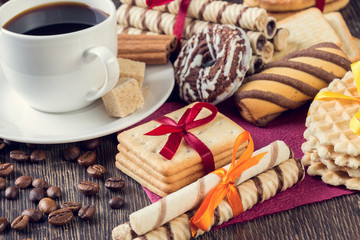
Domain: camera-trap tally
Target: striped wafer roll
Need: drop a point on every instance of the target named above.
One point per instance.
(253, 191)
(257, 41)
(280, 39)
(251, 18)
(268, 52)
(132, 30)
(256, 62)
(270, 28)
(290, 82)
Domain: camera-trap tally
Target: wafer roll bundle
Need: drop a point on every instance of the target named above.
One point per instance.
(255, 190)
(290, 82)
(189, 197)
(216, 12)
(163, 23)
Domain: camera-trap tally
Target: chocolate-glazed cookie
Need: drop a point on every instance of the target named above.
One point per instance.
(211, 65)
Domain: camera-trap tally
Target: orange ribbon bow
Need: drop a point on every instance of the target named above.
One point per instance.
(354, 123)
(203, 217)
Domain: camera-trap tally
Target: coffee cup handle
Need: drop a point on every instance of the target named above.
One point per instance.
(111, 69)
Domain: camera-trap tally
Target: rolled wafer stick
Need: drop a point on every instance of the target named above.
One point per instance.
(268, 52)
(133, 31)
(159, 22)
(257, 41)
(251, 18)
(270, 28)
(280, 39)
(256, 62)
(253, 191)
(189, 197)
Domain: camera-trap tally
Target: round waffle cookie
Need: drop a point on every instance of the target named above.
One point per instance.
(332, 150)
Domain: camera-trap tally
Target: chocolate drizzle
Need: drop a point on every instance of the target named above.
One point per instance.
(293, 82)
(259, 188)
(315, 71)
(240, 15)
(162, 213)
(280, 178)
(301, 169)
(169, 234)
(221, 11)
(270, 97)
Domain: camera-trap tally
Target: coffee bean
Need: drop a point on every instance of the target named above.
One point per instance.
(6, 169)
(114, 183)
(20, 222)
(3, 224)
(38, 156)
(73, 206)
(2, 183)
(36, 194)
(2, 145)
(40, 183)
(31, 145)
(87, 212)
(91, 144)
(88, 188)
(60, 217)
(53, 192)
(71, 153)
(116, 202)
(96, 171)
(87, 159)
(47, 205)
(19, 155)
(34, 215)
(23, 181)
(11, 192)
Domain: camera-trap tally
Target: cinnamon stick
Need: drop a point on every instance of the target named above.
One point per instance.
(147, 57)
(139, 47)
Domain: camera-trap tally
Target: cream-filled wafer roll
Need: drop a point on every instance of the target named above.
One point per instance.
(189, 197)
(253, 191)
(280, 39)
(257, 41)
(268, 53)
(131, 30)
(270, 29)
(251, 18)
(256, 62)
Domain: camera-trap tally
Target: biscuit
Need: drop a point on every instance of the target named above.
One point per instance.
(307, 28)
(218, 135)
(290, 82)
(329, 7)
(282, 5)
(348, 45)
(220, 160)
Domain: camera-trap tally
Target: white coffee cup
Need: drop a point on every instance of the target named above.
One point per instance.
(65, 72)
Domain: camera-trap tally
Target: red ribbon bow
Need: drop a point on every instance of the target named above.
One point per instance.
(320, 4)
(181, 130)
(180, 17)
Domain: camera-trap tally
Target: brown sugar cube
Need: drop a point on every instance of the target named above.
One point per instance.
(132, 69)
(124, 99)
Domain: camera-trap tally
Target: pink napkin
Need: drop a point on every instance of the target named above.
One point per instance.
(288, 127)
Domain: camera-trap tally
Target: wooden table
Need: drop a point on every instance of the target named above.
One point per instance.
(338, 218)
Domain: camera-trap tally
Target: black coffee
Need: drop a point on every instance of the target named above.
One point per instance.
(55, 18)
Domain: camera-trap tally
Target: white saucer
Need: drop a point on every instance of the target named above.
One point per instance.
(19, 122)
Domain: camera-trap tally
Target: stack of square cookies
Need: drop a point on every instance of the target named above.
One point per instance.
(140, 159)
(332, 149)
